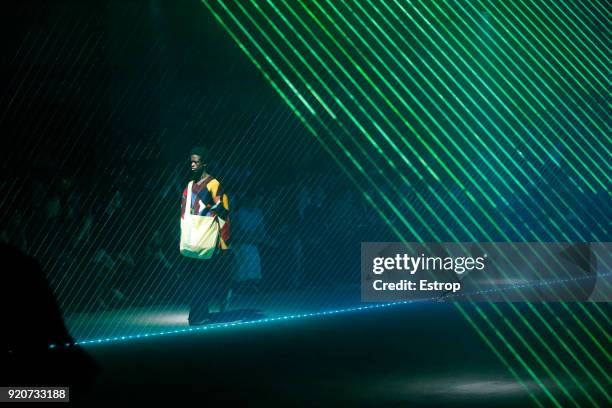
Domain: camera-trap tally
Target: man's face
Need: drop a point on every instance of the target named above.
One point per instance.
(196, 163)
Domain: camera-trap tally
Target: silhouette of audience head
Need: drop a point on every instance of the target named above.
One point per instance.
(37, 348)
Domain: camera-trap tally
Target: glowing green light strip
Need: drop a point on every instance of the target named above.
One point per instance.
(269, 60)
(483, 98)
(578, 106)
(301, 117)
(534, 331)
(467, 140)
(603, 314)
(492, 347)
(593, 36)
(383, 33)
(553, 376)
(583, 102)
(516, 105)
(566, 42)
(338, 101)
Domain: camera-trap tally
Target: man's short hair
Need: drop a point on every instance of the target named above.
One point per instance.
(200, 151)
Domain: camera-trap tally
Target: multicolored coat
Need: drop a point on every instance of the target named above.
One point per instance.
(204, 195)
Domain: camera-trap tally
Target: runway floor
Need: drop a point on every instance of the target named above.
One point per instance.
(422, 354)
(245, 305)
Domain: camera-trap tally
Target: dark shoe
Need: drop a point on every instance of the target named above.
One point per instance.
(208, 318)
(197, 319)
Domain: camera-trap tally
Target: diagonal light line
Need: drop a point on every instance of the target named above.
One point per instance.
(308, 65)
(339, 82)
(103, 226)
(390, 53)
(373, 21)
(553, 376)
(529, 79)
(87, 249)
(492, 347)
(329, 71)
(552, 46)
(410, 93)
(366, 44)
(559, 63)
(516, 355)
(518, 93)
(583, 48)
(276, 68)
(416, 83)
(473, 200)
(426, 79)
(568, 208)
(365, 133)
(395, 110)
(604, 25)
(602, 10)
(551, 77)
(434, 43)
(299, 114)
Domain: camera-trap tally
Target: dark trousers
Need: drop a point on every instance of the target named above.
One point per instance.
(209, 284)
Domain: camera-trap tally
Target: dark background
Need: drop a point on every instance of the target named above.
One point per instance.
(100, 104)
(102, 101)
(101, 90)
